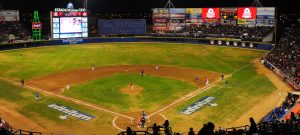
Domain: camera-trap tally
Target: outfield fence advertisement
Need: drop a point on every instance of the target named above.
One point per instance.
(197, 105)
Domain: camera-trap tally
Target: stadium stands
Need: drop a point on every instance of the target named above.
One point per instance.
(281, 111)
(13, 28)
(272, 124)
(4, 127)
(228, 31)
(286, 55)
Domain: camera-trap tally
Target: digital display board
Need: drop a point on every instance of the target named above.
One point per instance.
(69, 24)
(247, 13)
(210, 13)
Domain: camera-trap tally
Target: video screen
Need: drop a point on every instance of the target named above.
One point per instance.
(70, 24)
(69, 27)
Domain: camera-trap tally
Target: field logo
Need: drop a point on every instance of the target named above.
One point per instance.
(211, 13)
(197, 105)
(71, 112)
(247, 13)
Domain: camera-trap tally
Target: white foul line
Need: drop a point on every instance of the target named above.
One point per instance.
(199, 91)
(72, 100)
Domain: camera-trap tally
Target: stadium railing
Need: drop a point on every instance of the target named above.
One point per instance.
(283, 75)
(231, 42)
(137, 133)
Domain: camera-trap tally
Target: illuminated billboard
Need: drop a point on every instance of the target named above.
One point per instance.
(247, 13)
(69, 23)
(210, 13)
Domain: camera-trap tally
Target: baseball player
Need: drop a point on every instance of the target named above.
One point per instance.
(207, 82)
(93, 67)
(36, 97)
(142, 72)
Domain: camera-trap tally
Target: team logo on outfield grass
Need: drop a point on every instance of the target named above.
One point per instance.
(197, 105)
(71, 112)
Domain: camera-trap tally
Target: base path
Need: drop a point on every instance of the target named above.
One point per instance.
(55, 83)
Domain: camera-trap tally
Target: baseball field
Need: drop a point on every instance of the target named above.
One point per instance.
(161, 79)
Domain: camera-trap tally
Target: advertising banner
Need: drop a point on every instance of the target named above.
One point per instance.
(249, 22)
(264, 22)
(160, 25)
(160, 10)
(177, 10)
(161, 15)
(36, 25)
(269, 11)
(193, 20)
(211, 21)
(71, 112)
(210, 13)
(193, 13)
(194, 10)
(161, 20)
(9, 15)
(228, 10)
(161, 28)
(247, 13)
(197, 105)
(182, 16)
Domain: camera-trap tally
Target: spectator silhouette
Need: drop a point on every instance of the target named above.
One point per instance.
(129, 131)
(253, 127)
(155, 129)
(191, 132)
(166, 127)
(203, 131)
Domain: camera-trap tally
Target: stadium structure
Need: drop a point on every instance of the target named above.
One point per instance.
(205, 71)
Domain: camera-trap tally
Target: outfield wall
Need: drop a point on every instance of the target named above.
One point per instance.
(217, 42)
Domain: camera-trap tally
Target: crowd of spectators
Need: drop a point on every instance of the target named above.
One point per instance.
(14, 28)
(277, 113)
(229, 31)
(286, 55)
(4, 127)
(272, 124)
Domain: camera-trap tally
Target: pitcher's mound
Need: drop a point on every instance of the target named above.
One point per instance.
(132, 89)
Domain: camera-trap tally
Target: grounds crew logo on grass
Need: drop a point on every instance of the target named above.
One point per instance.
(197, 105)
(71, 112)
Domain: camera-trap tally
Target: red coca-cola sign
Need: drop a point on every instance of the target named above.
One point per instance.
(161, 20)
(36, 25)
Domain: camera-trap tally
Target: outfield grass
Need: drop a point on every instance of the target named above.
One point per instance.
(246, 88)
(107, 91)
(34, 62)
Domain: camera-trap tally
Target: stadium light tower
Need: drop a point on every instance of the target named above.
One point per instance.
(85, 3)
(256, 3)
(169, 4)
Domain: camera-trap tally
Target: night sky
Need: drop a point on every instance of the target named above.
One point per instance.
(130, 6)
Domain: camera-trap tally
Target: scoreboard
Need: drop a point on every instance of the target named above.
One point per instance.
(69, 23)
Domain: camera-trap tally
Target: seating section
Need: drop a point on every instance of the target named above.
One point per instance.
(14, 28)
(286, 55)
